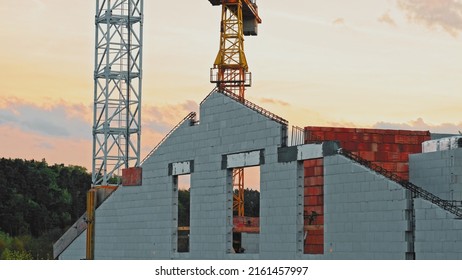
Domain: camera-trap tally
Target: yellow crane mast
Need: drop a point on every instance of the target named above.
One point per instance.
(230, 70)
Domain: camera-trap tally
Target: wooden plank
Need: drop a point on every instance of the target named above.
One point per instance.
(81, 224)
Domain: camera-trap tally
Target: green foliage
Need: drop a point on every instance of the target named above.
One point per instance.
(183, 208)
(38, 203)
(15, 255)
(114, 180)
(5, 241)
(251, 203)
(12, 248)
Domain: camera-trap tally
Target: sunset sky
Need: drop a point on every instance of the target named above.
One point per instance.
(363, 63)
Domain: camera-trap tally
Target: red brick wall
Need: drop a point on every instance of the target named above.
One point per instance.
(387, 148)
(314, 202)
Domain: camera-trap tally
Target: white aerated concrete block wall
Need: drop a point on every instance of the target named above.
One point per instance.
(251, 242)
(140, 222)
(364, 213)
(438, 233)
(438, 172)
(279, 222)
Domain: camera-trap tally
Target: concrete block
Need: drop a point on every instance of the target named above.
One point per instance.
(430, 213)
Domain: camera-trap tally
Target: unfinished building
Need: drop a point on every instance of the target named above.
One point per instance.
(343, 194)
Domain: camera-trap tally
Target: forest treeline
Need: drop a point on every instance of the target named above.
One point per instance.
(38, 202)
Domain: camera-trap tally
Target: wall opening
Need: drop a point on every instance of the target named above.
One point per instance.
(313, 207)
(182, 183)
(246, 223)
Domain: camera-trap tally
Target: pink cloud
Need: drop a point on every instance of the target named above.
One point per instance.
(420, 124)
(17, 143)
(59, 119)
(446, 14)
(60, 132)
(159, 120)
(165, 117)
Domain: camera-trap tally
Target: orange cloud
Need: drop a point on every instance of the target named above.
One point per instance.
(338, 21)
(387, 19)
(273, 101)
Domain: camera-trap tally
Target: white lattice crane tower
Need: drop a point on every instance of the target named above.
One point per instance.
(117, 89)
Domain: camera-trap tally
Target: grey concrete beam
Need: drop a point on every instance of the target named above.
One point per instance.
(181, 168)
(307, 151)
(244, 159)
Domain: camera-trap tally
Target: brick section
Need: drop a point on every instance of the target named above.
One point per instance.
(314, 206)
(246, 224)
(132, 176)
(387, 148)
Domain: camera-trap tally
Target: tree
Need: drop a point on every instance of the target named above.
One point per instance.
(16, 255)
(251, 203)
(183, 208)
(39, 202)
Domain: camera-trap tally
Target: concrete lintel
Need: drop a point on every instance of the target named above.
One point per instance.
(181, 168)
(307, 151)
(244, 159)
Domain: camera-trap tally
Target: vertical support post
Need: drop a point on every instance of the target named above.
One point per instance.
(238, 199)
(91, 205)
(410, 231)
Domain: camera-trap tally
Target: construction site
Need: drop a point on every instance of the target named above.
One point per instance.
(325, 193)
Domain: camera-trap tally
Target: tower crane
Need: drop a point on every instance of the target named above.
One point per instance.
(230, 70)
(117, 99)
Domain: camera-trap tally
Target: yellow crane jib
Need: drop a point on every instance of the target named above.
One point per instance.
(239, 18)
